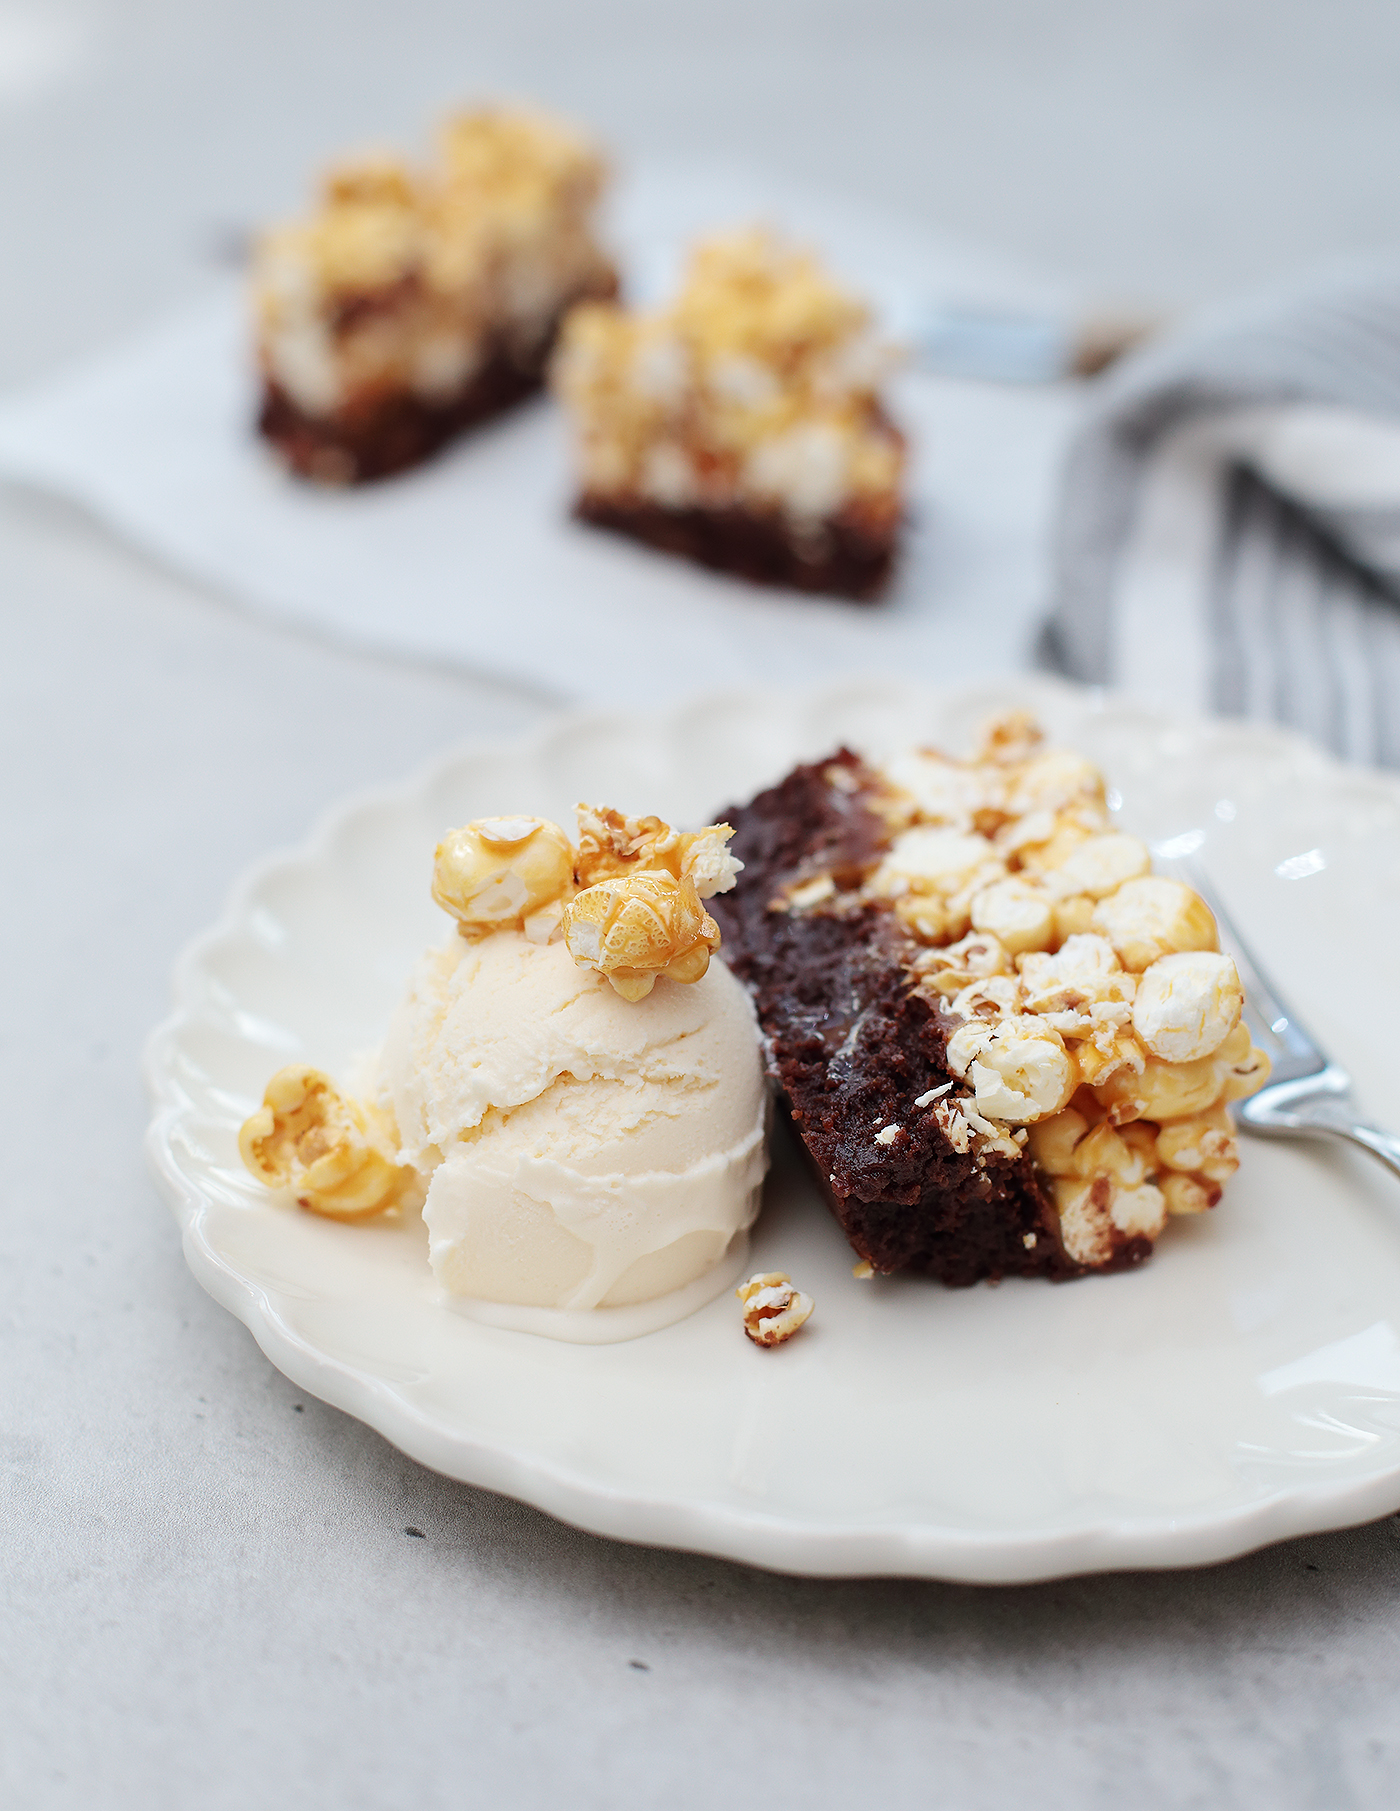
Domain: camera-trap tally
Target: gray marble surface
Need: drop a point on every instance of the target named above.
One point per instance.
(209, 1595)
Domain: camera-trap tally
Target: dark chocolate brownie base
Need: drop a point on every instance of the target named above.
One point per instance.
(851, 1047)
(843, 559)
(397, 432)
(391, 434)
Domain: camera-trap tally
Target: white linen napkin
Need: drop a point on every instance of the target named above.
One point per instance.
(473, 560)
(1229, 533)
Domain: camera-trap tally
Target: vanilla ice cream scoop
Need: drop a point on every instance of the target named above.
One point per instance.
(581, 1150)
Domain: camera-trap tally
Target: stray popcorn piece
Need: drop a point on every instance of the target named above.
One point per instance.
(502, 872)
(633, 929)
(610, 845)
(337, 1155)
(773, 1309)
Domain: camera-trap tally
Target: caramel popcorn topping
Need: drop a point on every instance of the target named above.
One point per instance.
(402, 277)
(637, 927)
(758, 385)
(505, 871)
(1095, 1018)
(627, 900)
(339, 1156)
(610, 845)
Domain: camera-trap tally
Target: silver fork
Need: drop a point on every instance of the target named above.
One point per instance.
(1308, 1094)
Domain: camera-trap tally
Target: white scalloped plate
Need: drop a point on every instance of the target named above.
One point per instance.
(1242, 1387)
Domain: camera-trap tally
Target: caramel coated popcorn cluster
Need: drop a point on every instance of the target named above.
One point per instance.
(636, 928)
(773, 1308)
(1097, 1022)
(505, 872)
(758, 387)
(337, 1155)
(611, 845)
(403, 276)
(627, 900)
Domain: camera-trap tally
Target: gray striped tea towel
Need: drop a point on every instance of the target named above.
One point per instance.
(1229, 529)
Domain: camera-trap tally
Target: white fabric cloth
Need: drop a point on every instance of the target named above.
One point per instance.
(1221, 606)
(473, 560)
(1229, 537)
